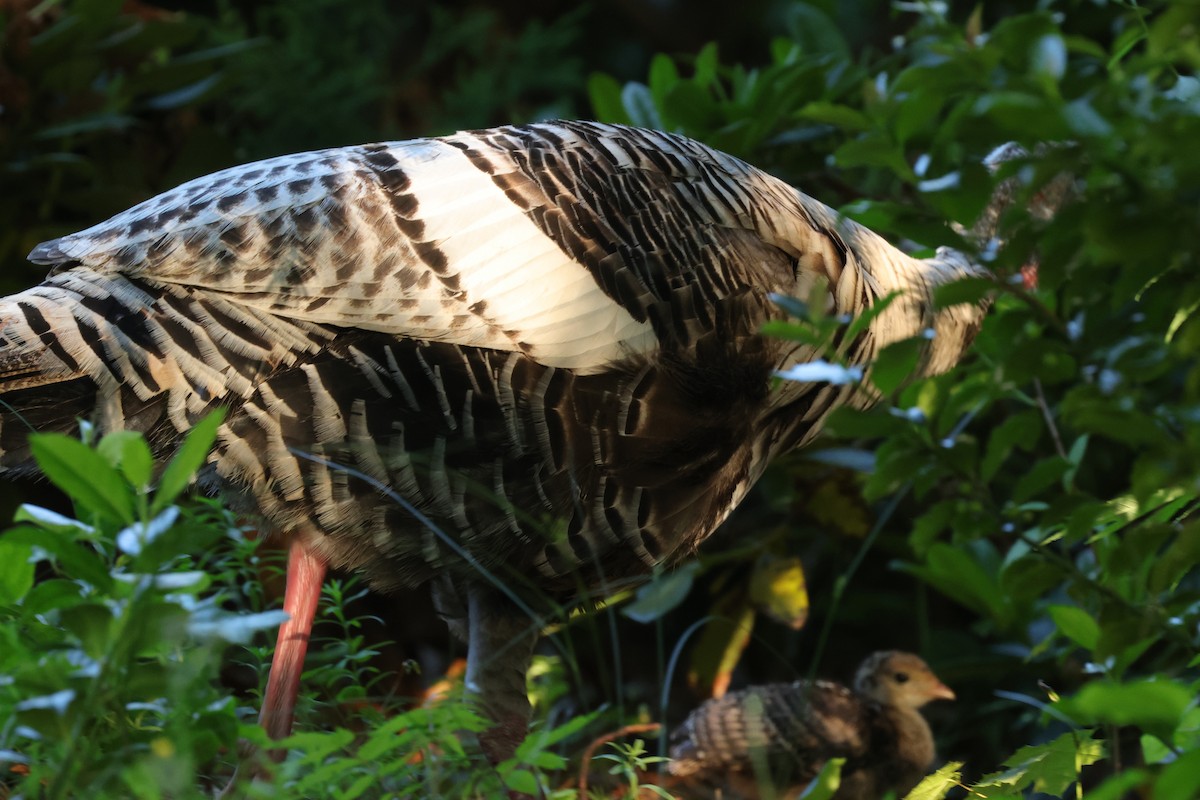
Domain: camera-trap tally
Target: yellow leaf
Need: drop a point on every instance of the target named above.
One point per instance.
(778, 589)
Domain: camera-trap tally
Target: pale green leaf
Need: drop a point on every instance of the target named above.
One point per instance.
(936, 785)
(660, 595)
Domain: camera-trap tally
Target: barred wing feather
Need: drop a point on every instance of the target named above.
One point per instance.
(570, 244)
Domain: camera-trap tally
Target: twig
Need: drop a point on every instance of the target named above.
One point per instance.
(1045, 408)
(644, 727)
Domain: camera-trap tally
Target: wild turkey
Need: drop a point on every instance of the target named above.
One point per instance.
(797, 727)
(545, 338)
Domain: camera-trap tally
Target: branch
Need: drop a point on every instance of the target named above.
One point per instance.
(590, 752)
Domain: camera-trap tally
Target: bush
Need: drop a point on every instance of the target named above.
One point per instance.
(1027, 521)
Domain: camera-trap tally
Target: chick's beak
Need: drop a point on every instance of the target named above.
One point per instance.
(940, 691)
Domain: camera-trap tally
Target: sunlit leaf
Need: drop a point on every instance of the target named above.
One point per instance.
(778, 588)
(84, 475)
(826, 783)
(937, 785)
(1049, 768)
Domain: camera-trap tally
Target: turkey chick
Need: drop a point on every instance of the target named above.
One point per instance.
(793, 729)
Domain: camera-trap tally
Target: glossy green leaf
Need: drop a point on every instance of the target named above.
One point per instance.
(95, 486)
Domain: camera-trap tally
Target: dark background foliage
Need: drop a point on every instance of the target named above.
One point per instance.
(1025, 522)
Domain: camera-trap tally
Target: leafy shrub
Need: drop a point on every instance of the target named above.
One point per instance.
(1053, 475)
(1041, 499)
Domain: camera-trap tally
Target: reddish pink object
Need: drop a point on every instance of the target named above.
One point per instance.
(305, 573)
(1029, 277)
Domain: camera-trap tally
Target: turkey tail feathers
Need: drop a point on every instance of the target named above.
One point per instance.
(126, 354)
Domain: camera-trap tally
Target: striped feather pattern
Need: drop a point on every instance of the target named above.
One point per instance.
(793, 729)
(544, 337)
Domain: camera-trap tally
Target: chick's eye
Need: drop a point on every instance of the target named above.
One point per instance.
(900, 677)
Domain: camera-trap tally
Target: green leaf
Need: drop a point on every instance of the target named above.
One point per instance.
(1181, 779)
(128, 451)
(815, 32)
(840, 116)
(663, 77)
(705, 65)
(874, 150)
(74, 561)
(1156, 706)
(1076, 624)
(1041, 476)
(605, 94)
(1179, 558)
(961, 573)
(896, 364)
(1121, 786)
(523, 781)
(663, 593)
(184, 95)
(190, 456)
(1129, 39)
(826, 783)
(966, 290)
(688, 106)
(16, 570)
(84, 475)
(938, 784)
(1049, 768)
(92, 624)
(1021, 430)
(543, 738)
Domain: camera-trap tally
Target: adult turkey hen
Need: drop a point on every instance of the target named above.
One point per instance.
(793, 729)
(544, 338)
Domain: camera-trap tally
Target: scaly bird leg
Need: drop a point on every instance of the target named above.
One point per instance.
(305, 573)
(499, 650)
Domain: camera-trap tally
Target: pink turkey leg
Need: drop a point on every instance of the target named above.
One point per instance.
(305, 572)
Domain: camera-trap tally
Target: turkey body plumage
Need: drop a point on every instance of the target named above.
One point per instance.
(544, 338)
